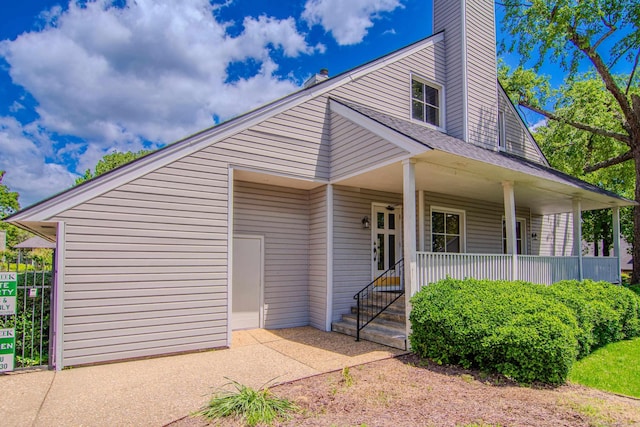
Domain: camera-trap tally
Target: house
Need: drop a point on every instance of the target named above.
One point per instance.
(411, 167)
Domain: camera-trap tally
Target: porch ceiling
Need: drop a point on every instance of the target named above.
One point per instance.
(46, 230)
(441, 172)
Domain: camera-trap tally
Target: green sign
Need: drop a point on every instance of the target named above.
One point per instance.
(7, 349)
(8, 293)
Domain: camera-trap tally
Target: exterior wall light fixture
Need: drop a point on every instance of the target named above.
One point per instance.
(365, 222)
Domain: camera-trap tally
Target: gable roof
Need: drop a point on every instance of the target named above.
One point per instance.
(74, 196)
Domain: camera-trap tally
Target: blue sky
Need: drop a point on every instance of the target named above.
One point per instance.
(84, 78)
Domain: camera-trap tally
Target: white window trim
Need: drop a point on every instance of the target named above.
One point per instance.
(525, 240)
(463, 229)
(441, 100)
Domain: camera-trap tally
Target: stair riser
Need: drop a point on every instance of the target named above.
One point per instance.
(393, 315)
(383, 326)
(380, 303)
(373, 337)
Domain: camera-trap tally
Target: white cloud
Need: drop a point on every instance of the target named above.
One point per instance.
(15, 107)
(348, 21)
(538, 125)
(23, 158)
(154, 70)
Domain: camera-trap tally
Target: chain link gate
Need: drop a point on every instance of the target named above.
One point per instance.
(32, 321)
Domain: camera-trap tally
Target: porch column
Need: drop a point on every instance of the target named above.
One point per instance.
(510, 226)
(615, 211)
(421, 242)
(577, 234)
(409, 234)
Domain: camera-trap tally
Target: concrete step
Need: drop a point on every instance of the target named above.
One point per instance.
(380, 299)
(372, 333)
(383, 325)
(393, 313)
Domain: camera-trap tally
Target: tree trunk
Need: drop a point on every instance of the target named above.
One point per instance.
(635, 251)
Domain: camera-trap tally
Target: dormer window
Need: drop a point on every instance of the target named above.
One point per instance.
(425, 102)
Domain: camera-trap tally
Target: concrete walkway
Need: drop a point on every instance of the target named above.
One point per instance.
(154, 392)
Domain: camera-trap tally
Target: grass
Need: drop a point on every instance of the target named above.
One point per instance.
(612, 368)
(251, 406)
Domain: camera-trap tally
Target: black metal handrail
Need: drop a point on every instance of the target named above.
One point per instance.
(378, 295)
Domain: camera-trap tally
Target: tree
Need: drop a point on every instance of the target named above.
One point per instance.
(8, 205)
(111, 161)
(569, 149)
(599, 35)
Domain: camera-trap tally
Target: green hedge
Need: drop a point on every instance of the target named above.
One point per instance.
(605, 313)
(525, 331)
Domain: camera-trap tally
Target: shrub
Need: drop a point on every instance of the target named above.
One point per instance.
(605, 313)
(508, 327)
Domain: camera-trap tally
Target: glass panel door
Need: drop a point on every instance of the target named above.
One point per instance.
(386, 238)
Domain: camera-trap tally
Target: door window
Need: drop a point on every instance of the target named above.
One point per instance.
(386, 238)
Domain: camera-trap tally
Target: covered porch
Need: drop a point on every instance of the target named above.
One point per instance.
(509, 224)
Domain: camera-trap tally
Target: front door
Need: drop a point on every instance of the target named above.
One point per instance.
(386, 238)
(246, 296)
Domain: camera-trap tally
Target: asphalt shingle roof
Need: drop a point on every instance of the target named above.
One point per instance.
(440, 141)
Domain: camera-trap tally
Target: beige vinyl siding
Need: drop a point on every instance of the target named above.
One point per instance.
(519, 141)
(481, 73)
(556, 238)
(483, 222)
(295, 142)
(448, 17)
(281, 215)
(145, 266)
(388, 89)
(318, 257)
(354, 149)
(352, 244)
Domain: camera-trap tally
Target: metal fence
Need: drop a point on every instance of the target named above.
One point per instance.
(32, 321)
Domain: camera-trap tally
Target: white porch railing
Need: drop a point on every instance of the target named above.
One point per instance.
(601, 268)
(436, 266)
(432, 267)
(548, 269)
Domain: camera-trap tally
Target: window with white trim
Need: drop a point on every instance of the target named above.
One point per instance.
(425, 102)
(447, 231)
(521, 241)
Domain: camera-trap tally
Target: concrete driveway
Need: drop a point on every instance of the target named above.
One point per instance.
(154, 392)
